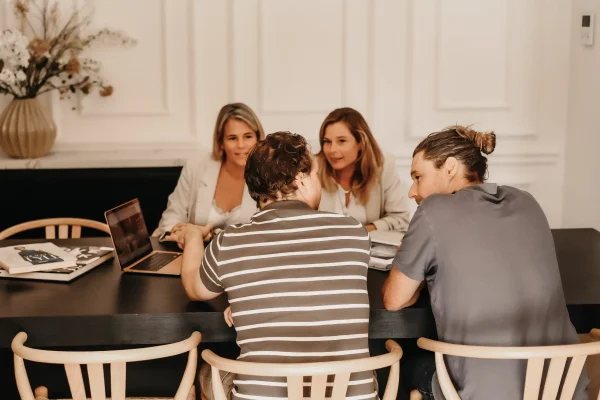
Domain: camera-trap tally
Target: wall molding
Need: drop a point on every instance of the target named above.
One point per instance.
(152, 147)
(130, 154)
(502, 159)
(500, 105)
(413, 132)
(192, 31)
(164, 109)
(261, 109)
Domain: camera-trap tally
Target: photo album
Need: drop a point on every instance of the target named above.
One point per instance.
(47, 261)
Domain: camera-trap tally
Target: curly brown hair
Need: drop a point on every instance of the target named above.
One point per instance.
(462, 143)
(274, 163)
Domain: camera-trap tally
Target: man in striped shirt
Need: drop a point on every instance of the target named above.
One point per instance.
(296, 278)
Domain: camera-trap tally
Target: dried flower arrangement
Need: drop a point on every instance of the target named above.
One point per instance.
(51, 59)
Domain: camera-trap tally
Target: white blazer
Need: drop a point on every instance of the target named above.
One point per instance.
(196, 187)
(387, 207)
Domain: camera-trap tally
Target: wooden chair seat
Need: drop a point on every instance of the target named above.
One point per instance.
(191, 396)
(535, 356)
(50, 224)
(41, 393)
(94, 361)
(319, 371)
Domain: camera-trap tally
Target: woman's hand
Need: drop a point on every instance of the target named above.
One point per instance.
(184, 233)
(228, 317)
(370, 227)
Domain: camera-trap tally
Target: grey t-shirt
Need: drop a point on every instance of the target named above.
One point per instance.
(488, 257)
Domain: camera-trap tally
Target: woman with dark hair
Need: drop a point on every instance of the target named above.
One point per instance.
(487, 255)
(358, 180)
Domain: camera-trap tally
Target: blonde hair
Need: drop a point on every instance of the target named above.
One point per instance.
(239, 111)
(367, 168)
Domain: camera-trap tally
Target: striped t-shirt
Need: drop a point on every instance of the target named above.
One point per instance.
(296, 280)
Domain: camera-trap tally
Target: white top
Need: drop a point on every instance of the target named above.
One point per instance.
(219, 218)
(354, 208)
(192, 199)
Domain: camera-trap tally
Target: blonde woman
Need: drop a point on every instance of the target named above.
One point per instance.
(211, 190)
(358, 180)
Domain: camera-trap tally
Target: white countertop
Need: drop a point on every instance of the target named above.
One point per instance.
(71, 159)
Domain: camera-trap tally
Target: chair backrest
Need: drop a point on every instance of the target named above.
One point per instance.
(51, 223)
(595, 333)
(535, 356)
(319, 372)
(95, 360)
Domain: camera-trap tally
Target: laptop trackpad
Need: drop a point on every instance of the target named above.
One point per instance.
(159, 263)
(174, 267)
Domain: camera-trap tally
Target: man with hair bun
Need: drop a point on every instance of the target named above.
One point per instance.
(487, 255)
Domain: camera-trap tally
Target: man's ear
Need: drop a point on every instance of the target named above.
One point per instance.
(451, 167)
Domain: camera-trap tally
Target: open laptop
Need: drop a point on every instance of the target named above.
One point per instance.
(132, 243)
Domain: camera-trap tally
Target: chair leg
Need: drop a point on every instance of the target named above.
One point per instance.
(192, 393)
(415, 395)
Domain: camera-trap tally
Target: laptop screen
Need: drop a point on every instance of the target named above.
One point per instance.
(128, 231)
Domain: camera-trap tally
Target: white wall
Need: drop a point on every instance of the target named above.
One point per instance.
(411, 66)
(582, 169)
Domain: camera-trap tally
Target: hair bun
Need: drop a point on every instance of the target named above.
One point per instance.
(484, 141)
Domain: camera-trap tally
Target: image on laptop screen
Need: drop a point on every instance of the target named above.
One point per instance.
(129, 233)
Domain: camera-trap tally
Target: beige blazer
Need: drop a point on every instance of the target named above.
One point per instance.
(387, 207)
(198, 180)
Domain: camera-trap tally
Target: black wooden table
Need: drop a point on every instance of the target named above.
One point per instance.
(108, 307)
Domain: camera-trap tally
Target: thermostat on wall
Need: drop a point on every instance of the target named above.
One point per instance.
(587, 29)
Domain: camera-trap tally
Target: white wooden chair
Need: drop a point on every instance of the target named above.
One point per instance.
(95, 361)
(318, 371)
(535, 357)
(593, 366)
(51, 224)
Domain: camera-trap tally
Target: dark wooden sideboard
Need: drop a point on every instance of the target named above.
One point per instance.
(29, 194)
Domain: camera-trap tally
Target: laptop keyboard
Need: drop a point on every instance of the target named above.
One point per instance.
(155, 262)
